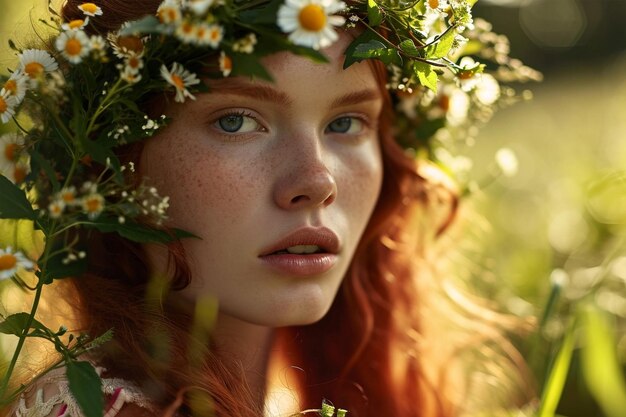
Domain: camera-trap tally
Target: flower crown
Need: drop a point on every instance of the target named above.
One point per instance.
(68, 109)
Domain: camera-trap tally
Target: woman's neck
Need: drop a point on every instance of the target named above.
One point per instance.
(248, 344)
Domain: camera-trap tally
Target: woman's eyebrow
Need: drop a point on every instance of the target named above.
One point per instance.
(356, 97)
(262, 92)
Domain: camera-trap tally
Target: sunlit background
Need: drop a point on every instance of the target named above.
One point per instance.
(555, 243)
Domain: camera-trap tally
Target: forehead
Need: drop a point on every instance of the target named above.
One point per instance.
(294, 74)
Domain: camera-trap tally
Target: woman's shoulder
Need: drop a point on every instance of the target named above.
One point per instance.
(50, 396)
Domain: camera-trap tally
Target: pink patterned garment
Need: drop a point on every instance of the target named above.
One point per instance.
(52, 393)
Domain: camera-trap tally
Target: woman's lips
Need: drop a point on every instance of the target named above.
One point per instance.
(303, 264)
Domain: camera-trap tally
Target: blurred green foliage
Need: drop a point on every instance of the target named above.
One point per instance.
(557, 248)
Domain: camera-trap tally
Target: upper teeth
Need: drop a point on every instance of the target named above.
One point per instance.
(303, 249)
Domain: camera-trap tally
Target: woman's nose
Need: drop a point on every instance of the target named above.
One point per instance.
(307, 182)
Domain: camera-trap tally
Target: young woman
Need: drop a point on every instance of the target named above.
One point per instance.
(309, 225)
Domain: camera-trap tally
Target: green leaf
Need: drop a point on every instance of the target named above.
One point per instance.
(600, 364)
(364, 37)
(442, 46)
(44, 163)
(427, 129)
(249, 65)
(137, 232)
(14, 204)
(426, 75)
(146, 25)
(409, 47)
(558, 375)
(86, 387)
(100, 152)
(377, 50)
(265, 15)
(100, 340)
(56, 269)
(16, 323)
(374, 14)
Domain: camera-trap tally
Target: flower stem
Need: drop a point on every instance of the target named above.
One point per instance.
(29, 322)
(22, 339)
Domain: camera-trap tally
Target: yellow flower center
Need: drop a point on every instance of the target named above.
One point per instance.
(312, 17)
(178, 82)
(130, 43)
(3, 105)
(19, 174)
(215, 35)
(76, 24)
(11, 87)
(201, 32)
(73, 47)
(167, 15)
(34, 69)
(9, 151)
(133, 62)
(187, 28)
(89, 8)
(7, 262)
(55, 209)
(227, 63)
(433, 4)
(68, 197)
(93, 205)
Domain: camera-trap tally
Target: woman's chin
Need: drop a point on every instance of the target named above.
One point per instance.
(290, 311)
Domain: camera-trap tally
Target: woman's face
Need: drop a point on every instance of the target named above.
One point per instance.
(263, 172)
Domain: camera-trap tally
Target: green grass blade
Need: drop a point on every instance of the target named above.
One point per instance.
(600, 365)
(558, 375)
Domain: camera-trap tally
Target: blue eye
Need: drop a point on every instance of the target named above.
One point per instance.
(237, 123)
(345, 125)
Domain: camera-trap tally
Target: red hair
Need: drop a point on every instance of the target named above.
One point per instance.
(364, 355)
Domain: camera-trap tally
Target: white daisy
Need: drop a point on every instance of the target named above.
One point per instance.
(210, 34)
(180, 78)
(310, 22)
(7, 106)
(93, 204)
(437, 4)
(18, 173)
(90, 9)
(67, 196)
(187, 32)
(75, 24)
(35, 63)
(169, 12)
(130, 75)
(124, 46)
(56, 208)
(202, 34)
(10, 146)
(226, 64)
(74, 45)
(16, 86)
(11, 262)
(246, 44)
(97, 43)
(133, 63)
(199, 7)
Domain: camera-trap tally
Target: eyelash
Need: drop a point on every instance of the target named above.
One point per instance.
(235, 113)
(365, 121)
